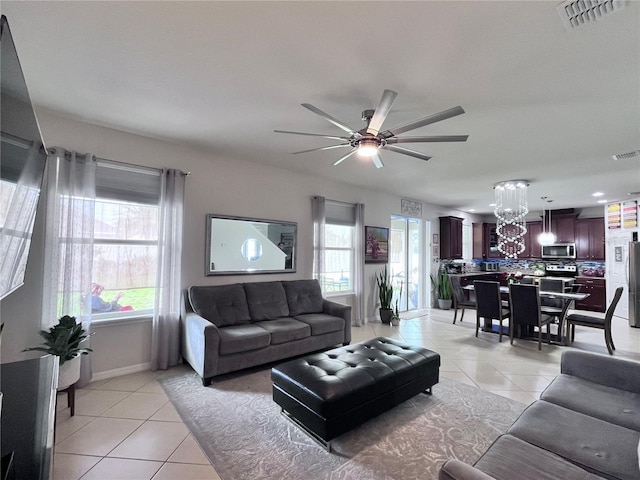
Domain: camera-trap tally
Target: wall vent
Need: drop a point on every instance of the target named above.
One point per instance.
(575, 13)
(627, 156)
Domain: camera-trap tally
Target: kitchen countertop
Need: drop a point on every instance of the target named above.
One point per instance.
(472, 274)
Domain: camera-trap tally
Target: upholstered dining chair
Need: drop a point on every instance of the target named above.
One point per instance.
(489, 304)
(526, 311)
(596, 322)
(460, 301)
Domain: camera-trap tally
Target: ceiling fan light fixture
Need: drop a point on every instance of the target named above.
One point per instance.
(368, 147)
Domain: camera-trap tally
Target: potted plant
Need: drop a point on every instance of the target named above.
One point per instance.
(385, 294)
(442, 286)
(395, 318)
(63, 340)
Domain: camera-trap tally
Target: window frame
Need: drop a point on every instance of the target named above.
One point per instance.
(352, 249)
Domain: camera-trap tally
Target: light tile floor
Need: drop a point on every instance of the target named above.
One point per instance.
(126, 428)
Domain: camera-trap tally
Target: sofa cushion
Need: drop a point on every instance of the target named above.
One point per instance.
(598, 446)
(243, 338)
(266, 300)
(303, 296)
(596, 400)
(509, 454)
(285, 330)
(222, 305)
(322, 323)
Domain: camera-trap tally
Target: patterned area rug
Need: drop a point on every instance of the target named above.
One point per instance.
(245, 436)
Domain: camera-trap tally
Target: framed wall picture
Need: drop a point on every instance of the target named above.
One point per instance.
(376, 249)
(435, 239)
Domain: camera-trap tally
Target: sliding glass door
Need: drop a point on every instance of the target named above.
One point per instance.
(407, 261)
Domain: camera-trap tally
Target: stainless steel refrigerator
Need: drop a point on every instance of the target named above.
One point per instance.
(634, 284)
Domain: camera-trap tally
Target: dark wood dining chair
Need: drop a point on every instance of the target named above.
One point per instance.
(460, 301)
(526, 311)
(551, 306)
(596, 322)
(489, 304)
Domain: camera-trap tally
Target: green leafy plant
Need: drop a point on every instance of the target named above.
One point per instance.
(63, 339)
(396, 314)
(385, 289)
(442, 285)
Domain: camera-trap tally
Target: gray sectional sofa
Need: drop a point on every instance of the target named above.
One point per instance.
(586, 425)
(225, 328)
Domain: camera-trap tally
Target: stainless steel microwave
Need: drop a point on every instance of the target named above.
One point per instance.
(559, 250)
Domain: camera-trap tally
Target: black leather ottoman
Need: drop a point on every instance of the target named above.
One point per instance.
(330, 393)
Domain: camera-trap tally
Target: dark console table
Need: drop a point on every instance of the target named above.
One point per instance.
(28, 416)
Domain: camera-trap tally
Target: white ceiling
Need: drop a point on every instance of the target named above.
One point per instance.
(542, 104)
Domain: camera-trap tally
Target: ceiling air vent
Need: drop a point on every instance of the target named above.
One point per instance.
(627, 156)
(575, 13)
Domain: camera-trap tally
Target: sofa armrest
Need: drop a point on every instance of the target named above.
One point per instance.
(619, 373)
(200, 344)
(454, 469)
(339, 310)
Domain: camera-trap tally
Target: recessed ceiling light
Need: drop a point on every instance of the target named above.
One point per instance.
(472, 210)
(597, 194)
(492, 204)
(602, 201)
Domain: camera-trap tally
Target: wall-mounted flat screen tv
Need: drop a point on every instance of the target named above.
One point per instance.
(22, 162)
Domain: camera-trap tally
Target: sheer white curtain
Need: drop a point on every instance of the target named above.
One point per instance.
(359, 316)
(318, 215)
(22, 198)
(68, 250)
(165, 341)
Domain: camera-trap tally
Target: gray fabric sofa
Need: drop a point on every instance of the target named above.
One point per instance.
(225, 328)
(586, 425)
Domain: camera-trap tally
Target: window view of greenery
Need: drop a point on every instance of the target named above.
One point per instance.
(339, 256)
(124, 258)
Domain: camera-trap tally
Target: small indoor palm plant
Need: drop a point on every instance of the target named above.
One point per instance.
(63, 340)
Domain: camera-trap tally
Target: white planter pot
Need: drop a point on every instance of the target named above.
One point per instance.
(69, 373)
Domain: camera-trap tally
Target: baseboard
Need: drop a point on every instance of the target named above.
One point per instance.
(117, 372)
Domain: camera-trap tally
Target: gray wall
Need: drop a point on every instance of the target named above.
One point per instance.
(213, 187)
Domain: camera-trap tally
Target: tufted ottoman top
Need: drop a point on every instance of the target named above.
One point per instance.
(334, 381)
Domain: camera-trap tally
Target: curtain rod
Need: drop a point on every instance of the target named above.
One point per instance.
(113, 162)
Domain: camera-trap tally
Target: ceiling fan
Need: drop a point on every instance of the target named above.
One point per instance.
(369, 140)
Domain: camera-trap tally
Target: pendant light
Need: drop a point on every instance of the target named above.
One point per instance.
(546, 237)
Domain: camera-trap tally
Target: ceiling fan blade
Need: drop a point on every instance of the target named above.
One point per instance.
(332, 137)
(322, 148)
(377, 161)
(340, 160)
(437, 117)
(406, 151)
(381, 112)
(432, 138)
(333, 120)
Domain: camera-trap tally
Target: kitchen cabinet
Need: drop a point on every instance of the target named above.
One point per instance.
(451, 237)
(597, 290)
(532, 248)
(590, 239)
(485, 241)
(564, 227)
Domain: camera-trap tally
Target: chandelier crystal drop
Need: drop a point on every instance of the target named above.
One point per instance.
(510, 211)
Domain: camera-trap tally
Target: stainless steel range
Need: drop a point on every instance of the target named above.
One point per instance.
(561, 270)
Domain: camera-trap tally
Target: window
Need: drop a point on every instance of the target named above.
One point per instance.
(467, 241)
(125, 251)
(338, 259)
(335, 241)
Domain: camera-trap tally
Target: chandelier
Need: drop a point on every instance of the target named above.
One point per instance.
(510, 211)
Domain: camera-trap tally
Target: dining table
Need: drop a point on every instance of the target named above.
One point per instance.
(561, 336)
